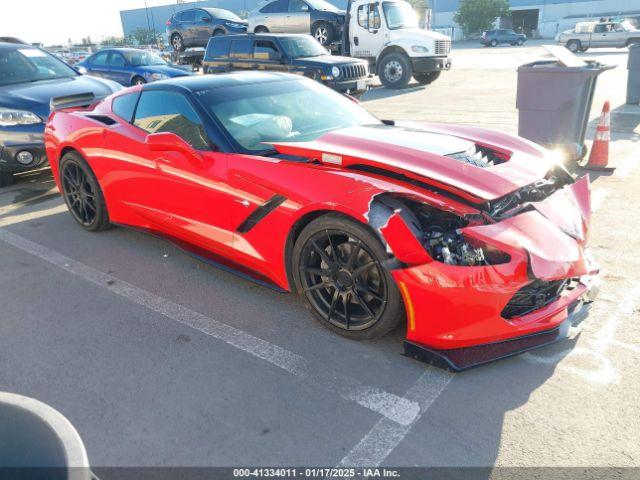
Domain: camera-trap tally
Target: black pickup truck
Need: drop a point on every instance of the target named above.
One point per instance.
(299, 54)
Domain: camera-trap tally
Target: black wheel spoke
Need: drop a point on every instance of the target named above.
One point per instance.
(318, 271)
(332, 250)
(322, 253)
(363, 304)
(360, 270)
(355, 250)
(368, 291)
(79, 193)
(334, 303)
(318, 286)
(347, 309)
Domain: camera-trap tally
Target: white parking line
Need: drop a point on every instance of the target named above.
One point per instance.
(385, 435)
(395, 409)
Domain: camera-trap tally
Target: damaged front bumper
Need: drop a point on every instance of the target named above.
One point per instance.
(573, 309)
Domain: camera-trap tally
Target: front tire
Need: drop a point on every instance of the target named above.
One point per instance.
(395, 70)
(494, 43)
(82, 193)
(324, 33)
(426, 78)
(337, 266)
(261, 29)
(138, 81)
(6, 179)
(520, 42)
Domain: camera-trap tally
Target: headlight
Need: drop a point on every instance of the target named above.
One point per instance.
(335, 71)
(9, 117)
(419, 49)
(82, 70)
(235, 25)
(158, 76)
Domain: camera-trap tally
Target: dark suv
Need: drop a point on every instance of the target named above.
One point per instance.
(194, 27)
(494, 37)
(294, 53)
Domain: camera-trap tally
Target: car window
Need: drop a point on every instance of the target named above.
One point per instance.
(290, 111)
(162, 111)
(241, 48)
(124, 105)
(369, 16)
(116, 60)
(100, 59)
(219, 47)
(186, 16)
(297, 6)
(265, 50)
(200, 15)
(26, 64)
(279, 6)
(600, 29)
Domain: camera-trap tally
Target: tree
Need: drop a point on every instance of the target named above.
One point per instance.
(474, 16)
(114, 41)
(144, 36)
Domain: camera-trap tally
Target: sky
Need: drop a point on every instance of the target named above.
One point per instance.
(55, 21)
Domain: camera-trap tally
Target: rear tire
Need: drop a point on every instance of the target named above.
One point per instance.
(6, 179)
(337, 267)
(395, 70)
(324, 33)
(177, 42)
(574, 46)
(493, 43)
(520, 42)
(426, 78)
(82, 193)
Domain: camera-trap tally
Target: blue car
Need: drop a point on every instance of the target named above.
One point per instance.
(29, 79)
(130, 66)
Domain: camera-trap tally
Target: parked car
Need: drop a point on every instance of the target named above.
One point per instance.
(476, 239)
(130, 66)
(318, 17)
(495, 37)
(194, 27)
(587, 35)
(29, 78)
(294, 53)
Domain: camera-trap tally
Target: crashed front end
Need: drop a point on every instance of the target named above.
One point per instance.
(484, 286)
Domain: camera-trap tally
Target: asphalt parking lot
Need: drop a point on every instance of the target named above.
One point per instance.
(161, 360)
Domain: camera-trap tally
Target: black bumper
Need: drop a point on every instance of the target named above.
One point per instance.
(11, 143)
(350, 86)
(430, 64)
(459, 359)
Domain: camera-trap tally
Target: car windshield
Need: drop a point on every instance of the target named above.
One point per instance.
(141, 59)
(302, 46)
(223, 14)
(31, 65)
(399, 15)
(291, 111)
(322, 5)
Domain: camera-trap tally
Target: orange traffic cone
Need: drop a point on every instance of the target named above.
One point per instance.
(599, 156)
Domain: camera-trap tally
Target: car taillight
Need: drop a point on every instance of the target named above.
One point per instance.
(168, 23)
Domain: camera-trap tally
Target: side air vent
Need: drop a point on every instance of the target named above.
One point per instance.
(103, 119)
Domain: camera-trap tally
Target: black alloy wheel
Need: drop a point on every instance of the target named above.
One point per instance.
(340, 274)
(82, 193)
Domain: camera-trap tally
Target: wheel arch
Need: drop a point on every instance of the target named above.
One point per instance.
(388, 50)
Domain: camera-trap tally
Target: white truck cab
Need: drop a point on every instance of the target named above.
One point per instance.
(386, 33)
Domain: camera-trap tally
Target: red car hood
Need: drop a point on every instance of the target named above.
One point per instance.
(420, 153)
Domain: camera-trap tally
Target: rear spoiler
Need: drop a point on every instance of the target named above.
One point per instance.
(76, 100)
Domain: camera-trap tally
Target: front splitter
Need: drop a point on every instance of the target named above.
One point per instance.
(458, 359)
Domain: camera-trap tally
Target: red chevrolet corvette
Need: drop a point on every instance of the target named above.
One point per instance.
(474, 239)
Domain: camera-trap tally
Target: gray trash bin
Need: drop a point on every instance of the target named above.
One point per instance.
(633, 78)
(554, 102)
